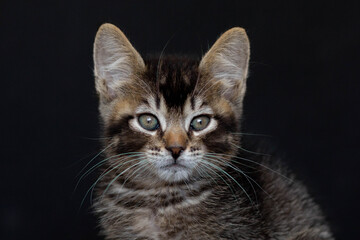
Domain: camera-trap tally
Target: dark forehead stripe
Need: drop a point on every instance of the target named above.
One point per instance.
(192, 101)
(180, 76)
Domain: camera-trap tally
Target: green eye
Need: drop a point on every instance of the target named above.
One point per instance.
(148, 122)
(199, 123)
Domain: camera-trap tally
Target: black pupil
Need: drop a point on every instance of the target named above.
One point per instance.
(199, 121)
(149, 120)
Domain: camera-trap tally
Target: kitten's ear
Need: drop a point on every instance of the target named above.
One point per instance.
(227, 63)
(115, 61)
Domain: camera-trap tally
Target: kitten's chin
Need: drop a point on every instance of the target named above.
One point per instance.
(174, 173)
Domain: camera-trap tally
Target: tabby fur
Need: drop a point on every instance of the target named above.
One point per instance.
(211, 189)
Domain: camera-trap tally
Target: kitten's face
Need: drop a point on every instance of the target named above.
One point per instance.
(168, 120)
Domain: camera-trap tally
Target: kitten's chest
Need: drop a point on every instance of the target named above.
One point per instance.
(153, 225)
(179, 218)
(170, 215)
(172, 222)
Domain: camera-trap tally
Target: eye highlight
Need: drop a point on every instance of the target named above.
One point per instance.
(199, 123)
(148, 122)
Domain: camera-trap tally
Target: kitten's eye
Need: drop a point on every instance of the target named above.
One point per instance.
(148, 122)
(199, 123)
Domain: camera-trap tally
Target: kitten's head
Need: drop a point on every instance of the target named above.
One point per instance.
(170, 119)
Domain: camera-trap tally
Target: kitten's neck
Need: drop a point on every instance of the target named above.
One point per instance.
(133, 197)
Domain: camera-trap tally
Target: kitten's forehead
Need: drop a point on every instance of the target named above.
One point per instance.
(175, 79)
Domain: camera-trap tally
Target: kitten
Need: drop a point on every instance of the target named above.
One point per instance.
(173, 169)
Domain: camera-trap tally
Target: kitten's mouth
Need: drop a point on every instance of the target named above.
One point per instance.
(175, 166)
(174, 171)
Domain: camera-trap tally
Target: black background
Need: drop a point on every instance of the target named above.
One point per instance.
(303, 90)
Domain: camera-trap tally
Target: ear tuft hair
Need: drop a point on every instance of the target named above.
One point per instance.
(227, 63)
(115, 61)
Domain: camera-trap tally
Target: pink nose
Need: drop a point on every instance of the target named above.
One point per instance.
(175, 151)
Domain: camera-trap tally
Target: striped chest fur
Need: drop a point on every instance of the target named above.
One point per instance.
(163, 213)
(172, 166)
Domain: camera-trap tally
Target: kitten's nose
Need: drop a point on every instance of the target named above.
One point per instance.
(175, 151)
(175, 141)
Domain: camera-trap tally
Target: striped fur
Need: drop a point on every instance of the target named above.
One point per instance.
(176, 182)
